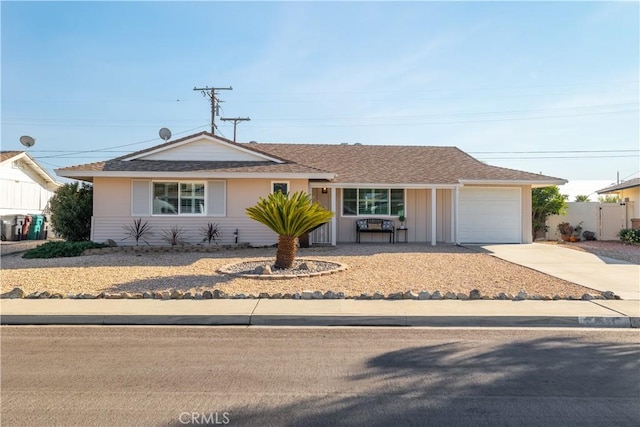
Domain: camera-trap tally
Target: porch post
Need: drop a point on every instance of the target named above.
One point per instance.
(453, 215)
(334, 222)
(456, 202)
(433, 217)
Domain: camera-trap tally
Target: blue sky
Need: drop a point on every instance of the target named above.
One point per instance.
(537, 86)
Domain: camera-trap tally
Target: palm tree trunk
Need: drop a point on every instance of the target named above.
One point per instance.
(286, 251)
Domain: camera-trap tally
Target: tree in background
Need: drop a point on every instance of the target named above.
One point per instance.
(546, 201)
(71, 209)
(609, 198)
(290, 216)
(582, 198)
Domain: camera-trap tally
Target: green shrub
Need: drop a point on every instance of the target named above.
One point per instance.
(630, 236)
(71, 209)
(61, 249)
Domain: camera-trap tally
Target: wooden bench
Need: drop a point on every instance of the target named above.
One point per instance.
(375, 225)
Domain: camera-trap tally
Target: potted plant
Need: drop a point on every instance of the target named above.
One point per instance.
(566, 230)
(575, 236)
(402, 219)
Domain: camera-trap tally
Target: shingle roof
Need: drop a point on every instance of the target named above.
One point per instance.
(635, 182)
(6, 155)
(396, 164)
(382, 164)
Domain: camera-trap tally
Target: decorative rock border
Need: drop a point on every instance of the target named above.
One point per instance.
(17, 293)
(264, 269)
(163, 249)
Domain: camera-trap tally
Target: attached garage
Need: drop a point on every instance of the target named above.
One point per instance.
(490, 215)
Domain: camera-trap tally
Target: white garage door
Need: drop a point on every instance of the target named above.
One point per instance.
(489, 215)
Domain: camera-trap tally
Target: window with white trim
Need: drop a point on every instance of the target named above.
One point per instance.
(372, 201)
(282, 186)
(178, 198)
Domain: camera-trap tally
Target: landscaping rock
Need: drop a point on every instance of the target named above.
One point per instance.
(197, 295)
(329, 295)
(522, 295)
(188, 295)
(216, 294)
(176, 294)
(395, 295)
(307, 265)
(125, 295)
(113, 296)
(462, 296)
(15, 293)
(377, 295)
(306, 295)
(364, 296)
(296, 295)
(424, 295)
(409, 295)
(340, 295)
(276, 296)
(147, 295)
(239, 296)
(436, 295)
(287, 296)
(207, 295)
(263, 295)
(450, 295)
(502, 296)
(587, 297)
(111, 243)
(317, 295)
(609, 295)
(263, 269)
(157, 295)
(475, 294)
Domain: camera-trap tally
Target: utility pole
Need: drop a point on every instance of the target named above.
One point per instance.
(235, 121)
(211, 93)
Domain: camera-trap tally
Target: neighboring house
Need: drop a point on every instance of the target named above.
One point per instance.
(629, 194)
(445, 194)
(25, 186)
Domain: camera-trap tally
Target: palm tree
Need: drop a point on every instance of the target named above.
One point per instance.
(290, 216)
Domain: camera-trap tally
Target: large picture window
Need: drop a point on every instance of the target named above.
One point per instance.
(176, 198)
(372, 201)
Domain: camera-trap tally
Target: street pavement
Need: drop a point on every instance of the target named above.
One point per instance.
(261, 376)
(602, 274)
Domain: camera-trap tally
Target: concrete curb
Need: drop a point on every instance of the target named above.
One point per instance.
(584, 314)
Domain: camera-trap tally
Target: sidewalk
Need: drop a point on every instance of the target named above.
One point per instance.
(269, 312)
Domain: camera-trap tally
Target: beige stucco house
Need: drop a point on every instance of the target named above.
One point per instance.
(445, 194)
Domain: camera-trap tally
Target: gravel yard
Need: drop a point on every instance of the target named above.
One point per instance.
(383, 268)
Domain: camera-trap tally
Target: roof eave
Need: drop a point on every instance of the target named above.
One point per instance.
(533, 183)
(191, 175)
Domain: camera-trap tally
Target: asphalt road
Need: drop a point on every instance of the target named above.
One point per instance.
(175, 376)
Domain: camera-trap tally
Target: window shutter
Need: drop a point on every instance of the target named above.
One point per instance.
(141, 197)
(216, 198)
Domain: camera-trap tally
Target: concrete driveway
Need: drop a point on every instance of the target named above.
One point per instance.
(582, 268)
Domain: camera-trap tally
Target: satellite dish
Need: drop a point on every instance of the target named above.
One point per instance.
(165, 134)
(27, 141)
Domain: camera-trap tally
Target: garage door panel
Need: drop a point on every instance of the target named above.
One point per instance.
(490, 215)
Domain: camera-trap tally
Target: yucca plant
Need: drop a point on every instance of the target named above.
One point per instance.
(211, 232)
(138, 231)
(174, 235)
(290, 216)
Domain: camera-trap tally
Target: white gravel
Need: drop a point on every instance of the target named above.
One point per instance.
(371, 268)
